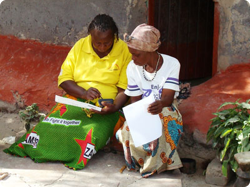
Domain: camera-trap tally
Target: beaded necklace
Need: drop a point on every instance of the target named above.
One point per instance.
(155, 72)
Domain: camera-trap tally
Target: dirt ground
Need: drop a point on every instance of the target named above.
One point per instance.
(11, 124)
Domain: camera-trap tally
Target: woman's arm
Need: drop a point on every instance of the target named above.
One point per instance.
(135, 98)
(71, 88)
(121, 99)
(166, 100)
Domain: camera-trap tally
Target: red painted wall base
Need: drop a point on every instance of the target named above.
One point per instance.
(29, 71)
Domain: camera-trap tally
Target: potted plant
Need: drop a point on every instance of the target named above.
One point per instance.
(230, 132)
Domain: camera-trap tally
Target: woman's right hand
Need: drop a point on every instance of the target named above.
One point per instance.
(91, 93)
(71, 88)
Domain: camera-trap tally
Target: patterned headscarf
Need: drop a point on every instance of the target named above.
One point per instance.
(144, 38)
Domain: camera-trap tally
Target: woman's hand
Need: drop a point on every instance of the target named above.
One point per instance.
(107, 109)
(119, 102)
(155, 107)
(167, 98)
(71, 88)
(91, 93)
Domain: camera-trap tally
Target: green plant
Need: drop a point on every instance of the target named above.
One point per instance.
(230, 132)
(31, 113)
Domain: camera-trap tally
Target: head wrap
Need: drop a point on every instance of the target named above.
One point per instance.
(144, 38)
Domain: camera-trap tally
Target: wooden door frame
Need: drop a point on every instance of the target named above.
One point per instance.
(151, 6)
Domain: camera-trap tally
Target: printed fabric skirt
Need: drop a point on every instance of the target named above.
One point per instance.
(158, 155)
(67, 135)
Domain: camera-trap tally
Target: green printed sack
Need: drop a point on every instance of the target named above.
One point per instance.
(68, 135)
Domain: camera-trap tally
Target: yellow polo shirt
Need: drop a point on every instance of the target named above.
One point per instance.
(87, 69)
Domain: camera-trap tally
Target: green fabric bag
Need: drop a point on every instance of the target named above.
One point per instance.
(68, 135)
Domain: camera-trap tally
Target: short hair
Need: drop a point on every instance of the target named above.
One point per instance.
(104, 22)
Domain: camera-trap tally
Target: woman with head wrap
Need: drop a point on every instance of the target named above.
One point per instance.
(152, 73)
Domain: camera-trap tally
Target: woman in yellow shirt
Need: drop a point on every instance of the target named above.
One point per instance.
(94, 68)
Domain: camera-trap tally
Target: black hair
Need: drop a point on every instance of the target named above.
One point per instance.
(104, 22)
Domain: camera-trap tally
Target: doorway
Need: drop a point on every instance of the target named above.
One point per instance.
(186, 28)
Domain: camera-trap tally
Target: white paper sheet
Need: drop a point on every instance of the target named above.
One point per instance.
(144, 127)
(72, 102)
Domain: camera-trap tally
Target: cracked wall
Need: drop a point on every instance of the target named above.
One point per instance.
(234, 37)
(63, 22)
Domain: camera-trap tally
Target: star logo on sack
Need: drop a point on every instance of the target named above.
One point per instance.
(87, 147)
(59, 107)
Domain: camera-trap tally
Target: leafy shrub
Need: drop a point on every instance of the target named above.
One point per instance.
(31, 113)
(230, 132)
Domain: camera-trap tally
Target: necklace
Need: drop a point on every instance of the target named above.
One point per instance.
(155, 72)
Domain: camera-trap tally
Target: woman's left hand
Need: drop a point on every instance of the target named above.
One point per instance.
(167, 98)
(155, 107)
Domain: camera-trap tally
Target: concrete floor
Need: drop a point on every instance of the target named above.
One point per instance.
(103, 170)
